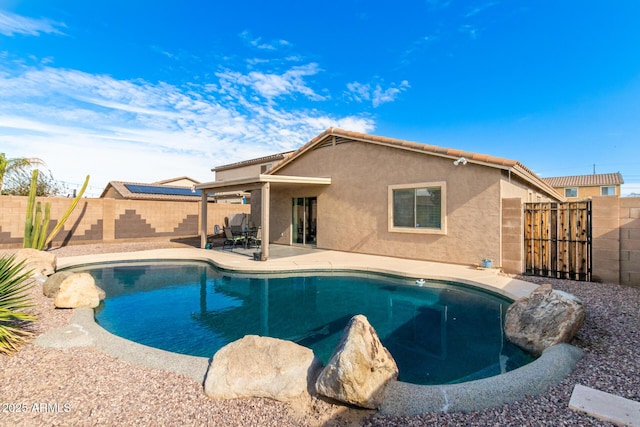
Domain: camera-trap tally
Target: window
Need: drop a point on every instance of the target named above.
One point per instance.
(608, 191)
(571, 192)
(418, 208)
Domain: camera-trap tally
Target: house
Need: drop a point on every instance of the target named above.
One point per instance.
(176, 189)
(363, 193)
(242, 169)
(251, 167)
(181, 181)
(580, 187)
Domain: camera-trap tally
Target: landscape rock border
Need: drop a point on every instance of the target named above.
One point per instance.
(555, 364)
(400, 399)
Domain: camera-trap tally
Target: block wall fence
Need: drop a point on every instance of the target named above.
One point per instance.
(615, 239)
(113, 220)
(615, 228)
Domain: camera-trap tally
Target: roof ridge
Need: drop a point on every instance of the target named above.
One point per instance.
(405, 144)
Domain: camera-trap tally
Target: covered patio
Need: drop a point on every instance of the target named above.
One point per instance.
(262, 182)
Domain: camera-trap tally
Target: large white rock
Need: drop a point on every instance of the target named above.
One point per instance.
(359, 368)
(78, 290)
(545, 318)
(257, 366)
(40, 262)
(51, 285)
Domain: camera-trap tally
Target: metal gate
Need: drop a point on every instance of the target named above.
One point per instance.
(557, 239)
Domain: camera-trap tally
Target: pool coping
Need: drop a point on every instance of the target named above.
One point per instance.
(401, 398)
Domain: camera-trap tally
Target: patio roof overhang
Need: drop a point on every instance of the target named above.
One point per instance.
(256, 182)
(262, 182)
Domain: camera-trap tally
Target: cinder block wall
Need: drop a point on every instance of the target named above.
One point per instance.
(606, 239)
(107, 220)
(512, 236)
(615, 239)
(630, 241)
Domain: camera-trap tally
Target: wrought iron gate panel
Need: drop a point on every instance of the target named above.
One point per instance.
(557, 239)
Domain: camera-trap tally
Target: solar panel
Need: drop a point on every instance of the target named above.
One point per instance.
(162, 190)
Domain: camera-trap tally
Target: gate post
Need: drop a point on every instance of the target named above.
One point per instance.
(606, 239)
(512, 241)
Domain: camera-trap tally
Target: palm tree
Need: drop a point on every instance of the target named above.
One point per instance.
(9, 165)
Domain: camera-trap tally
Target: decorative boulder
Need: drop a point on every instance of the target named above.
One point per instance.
(359, 368)
(40, 262)
(51, 286)
(545, 318)
(78, 290)
(257, 366)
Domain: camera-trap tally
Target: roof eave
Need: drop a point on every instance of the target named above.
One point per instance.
(256, 182)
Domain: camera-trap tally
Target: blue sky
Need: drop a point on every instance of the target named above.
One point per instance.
(144, 91)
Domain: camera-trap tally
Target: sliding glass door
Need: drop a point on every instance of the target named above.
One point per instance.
(304, 220)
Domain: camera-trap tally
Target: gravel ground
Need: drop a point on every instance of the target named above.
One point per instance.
(82, 386)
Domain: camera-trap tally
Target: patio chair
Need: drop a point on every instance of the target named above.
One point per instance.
(231, 240)
(256, 239)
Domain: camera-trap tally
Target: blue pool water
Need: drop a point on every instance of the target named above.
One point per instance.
(437, 333)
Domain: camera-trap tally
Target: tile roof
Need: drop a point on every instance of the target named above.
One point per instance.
(410, 145)
(585, 180)
(142, 191)
(259, 160)
(179, 178)
(484, 159)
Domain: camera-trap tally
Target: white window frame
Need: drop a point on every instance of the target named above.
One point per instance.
(570, 188)
(612, 187)
(414, 230)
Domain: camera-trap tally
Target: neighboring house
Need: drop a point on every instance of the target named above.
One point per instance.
(362, 193)
(181, 181)
(178, 189)
(243, 169)
(581, 187)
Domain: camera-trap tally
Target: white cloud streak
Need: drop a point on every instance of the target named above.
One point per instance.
(374, 93)
(12, 24)
(258, 43)
(138, 131)
(271, 86)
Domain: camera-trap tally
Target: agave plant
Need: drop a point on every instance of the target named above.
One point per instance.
(14, 299)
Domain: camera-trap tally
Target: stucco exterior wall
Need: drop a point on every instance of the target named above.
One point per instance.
(586, 192)
(241, 172)
(353, 211)
(111, 193)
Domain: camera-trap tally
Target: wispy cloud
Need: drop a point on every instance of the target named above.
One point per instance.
(12, 24)
(375, 93)
(416, 48)
(438, 4)
(270, 85)
(481, 8)
(132, 129)
(470, 31)
(259, 43)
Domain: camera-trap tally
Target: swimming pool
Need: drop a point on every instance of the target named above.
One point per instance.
(438, 333)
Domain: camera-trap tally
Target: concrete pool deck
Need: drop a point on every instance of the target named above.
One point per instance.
(291, 258)
(552, 367)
